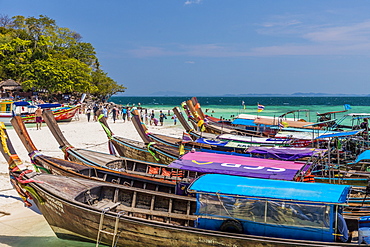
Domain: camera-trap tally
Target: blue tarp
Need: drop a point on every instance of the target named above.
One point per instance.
(248, 122)
(273, 189)
(340, 134)
(211, 142)
(362, 156)
(49, 105)
(21, 103)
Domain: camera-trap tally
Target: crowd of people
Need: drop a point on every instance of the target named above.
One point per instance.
(124, 113)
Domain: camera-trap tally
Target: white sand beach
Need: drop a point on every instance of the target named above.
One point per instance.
(22, 226)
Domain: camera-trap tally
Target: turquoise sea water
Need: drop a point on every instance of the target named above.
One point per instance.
(227, 107)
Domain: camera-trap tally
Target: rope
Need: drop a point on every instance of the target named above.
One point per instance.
(34, 154)
(111, 148)
(14, 160)
(95, 145)
(222, 204)
(33, 157)
(65, 151)
(151, 152)
(34, 194)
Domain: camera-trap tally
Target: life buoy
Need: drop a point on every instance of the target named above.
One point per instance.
(232, 226)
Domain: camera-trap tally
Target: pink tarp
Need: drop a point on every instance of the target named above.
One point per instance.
(238, 165)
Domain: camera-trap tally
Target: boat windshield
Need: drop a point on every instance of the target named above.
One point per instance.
(264, 211)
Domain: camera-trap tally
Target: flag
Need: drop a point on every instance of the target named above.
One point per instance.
(347, 107)
(260, 108)
(186, 137)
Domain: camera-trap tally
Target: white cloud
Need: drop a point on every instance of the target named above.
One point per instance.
(358, 32)
(191, 62)
(149, 51)
(301, 39)
(281, 24)
(188, 2)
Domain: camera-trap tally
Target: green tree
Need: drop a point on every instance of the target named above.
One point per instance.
(56, 75)
(41, 55)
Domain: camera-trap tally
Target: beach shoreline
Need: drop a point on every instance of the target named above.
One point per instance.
(22, 226)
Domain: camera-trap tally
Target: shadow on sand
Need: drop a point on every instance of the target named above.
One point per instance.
(18, 241)
(33, 207)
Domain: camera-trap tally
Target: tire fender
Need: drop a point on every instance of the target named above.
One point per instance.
(232, 226)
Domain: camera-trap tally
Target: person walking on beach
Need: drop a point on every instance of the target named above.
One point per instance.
(38, 114)
(88, 113)
(124, 113)
(155, 121)
(162, 116)
(174, 119)
(152, 115)
(146, 117)
(105, 112)
(95, 111)
(114, 114)
(128, 114)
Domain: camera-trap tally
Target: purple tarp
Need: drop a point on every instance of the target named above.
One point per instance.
(238, 165)
(285, 153)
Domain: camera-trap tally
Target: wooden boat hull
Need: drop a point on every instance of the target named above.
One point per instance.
(74, 220)
(126, 149)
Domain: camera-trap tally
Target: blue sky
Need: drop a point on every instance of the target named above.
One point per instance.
(221, 47)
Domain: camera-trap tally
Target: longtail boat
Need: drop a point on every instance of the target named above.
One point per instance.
(152, 152)
(200, 144)
(90, 168)
(123, 164)
(10, 108)
(214, 125)
(116, 215)
(250, 144)
(60, 113)
(101, 201)
(225, 143)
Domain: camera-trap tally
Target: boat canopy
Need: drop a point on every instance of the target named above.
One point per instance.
(358, 114)
(340, 134)
(211, 142)
(321, 123)
(250, 139)
(365, 155)
(49, 105)
(285, 153)
(247, 122)
(270, 189)
(22, 103)
(329, 113)
(205, 162)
